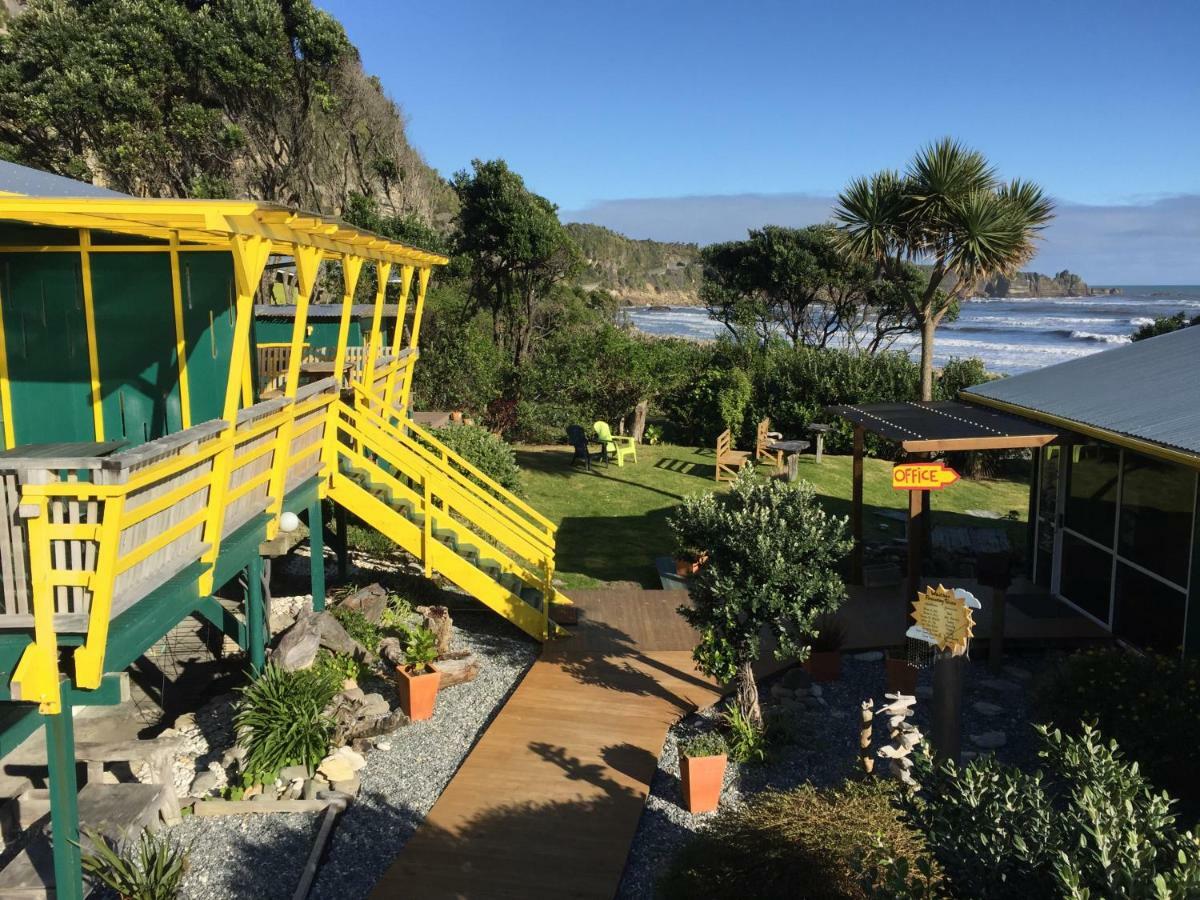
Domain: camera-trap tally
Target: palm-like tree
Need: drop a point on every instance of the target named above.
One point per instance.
(950, 211)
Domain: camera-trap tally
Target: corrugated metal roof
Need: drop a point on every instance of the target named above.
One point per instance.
(943, 425)
(1149, 390)
(16, 179)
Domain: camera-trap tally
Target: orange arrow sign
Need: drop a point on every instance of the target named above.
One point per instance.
(922, 476)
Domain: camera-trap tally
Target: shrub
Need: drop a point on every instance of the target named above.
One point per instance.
(773, 553)
(1091, 827)
(397, 615)
(358, 627)
(708, 404)
(281, 721)
(484, 450)
(151, 869)
(337, 667)
(747, 739)
(711, 743)
(799, 843)
(959, 374)
(1149, 704)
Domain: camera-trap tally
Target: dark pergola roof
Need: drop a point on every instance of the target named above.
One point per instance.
(942, 425)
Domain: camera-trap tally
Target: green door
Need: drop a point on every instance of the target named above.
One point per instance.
(135, 334)
(46, 340)
(209, 311)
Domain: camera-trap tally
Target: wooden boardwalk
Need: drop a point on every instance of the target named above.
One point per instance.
(547, 803)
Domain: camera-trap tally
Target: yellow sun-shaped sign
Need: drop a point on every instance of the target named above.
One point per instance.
(945, 617)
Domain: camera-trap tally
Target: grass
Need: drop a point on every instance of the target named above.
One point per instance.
(613, 521)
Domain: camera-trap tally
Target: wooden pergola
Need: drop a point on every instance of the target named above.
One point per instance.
(923, 430)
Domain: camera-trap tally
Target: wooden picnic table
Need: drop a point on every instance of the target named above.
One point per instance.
(792, 449)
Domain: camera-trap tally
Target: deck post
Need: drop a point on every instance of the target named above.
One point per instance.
(856, 509)
(255, 615)
(398, 332)
(316, 550)
(418, 312)
(64, 804)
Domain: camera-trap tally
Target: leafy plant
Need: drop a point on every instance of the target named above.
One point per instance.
(151, 869)
(358, 627)
(711, 743)
(805, 842)
(421, 650)
(1148, 703)
(337, 667)
(1092, 826)
(747, 739)
(281, 721)
(773, 553)
(397, 615)
(652, 435)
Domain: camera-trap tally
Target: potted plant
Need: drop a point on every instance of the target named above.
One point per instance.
(418, 679)
(901, 674)
(824, 661)
(688, 562)
(702, 763)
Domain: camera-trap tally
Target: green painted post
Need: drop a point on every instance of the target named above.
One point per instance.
(316, 549)
(255, 614)
(64, 804)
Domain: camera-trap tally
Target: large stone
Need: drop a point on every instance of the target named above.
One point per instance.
(291, 773)
(371, 601)
(989, 740)
(203, 784)
(350, 786)
(373, 705)
(298, 647)
(341, 765)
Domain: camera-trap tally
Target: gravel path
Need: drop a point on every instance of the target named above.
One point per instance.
(823, 748)
(261, 856)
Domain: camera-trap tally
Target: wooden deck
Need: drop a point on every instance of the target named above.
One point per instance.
(547, 803)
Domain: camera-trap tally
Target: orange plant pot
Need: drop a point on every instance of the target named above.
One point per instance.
(824, 665)
(901, 677)
(701, 777)
(418, 693)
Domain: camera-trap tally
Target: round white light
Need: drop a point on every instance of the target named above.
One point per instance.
(289, 522)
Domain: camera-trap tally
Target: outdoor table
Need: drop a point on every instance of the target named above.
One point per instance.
(793, 449)
(819, 429)
(315, 370)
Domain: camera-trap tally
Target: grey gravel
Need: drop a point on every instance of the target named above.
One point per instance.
(823, 750)
(261, 856)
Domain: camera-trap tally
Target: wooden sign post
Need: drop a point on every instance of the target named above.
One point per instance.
(944, 618)
(918, 478)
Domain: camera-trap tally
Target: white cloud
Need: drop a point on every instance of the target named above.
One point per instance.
(1155, 242)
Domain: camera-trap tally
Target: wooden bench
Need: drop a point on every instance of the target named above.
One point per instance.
(729, 461)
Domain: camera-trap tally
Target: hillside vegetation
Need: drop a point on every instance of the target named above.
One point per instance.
(162, 98)
(638, 272)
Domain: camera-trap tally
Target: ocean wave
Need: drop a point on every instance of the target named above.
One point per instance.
(1099, 338)
(1139, 321)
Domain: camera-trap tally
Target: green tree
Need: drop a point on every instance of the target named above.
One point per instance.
(517, 251)
(773, 553)
(950, 210)
(1164, 325)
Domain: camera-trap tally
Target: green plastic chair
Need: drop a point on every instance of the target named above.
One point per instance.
(619, 445)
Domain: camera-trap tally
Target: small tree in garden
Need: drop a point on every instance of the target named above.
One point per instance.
(772, 558)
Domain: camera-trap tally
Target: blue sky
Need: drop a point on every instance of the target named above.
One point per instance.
(694, 121)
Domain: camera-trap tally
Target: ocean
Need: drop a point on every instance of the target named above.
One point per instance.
(1009, 335)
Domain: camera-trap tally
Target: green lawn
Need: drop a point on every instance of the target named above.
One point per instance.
(612, 522)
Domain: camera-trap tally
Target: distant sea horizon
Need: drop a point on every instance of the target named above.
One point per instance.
(1009, 334)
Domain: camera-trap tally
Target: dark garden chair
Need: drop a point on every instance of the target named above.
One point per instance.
(578, 440)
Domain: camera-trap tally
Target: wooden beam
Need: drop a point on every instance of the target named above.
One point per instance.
(999, 442)
(916, 531)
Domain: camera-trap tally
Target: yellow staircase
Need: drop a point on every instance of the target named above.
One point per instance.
(404, 482)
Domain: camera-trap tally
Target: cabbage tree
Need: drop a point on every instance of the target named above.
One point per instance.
(950, 211)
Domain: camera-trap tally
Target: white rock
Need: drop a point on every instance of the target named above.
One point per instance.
(385, 746)
(1018, 673)
(341, 764)
(869, 656)
(816, 690)
(987, 709)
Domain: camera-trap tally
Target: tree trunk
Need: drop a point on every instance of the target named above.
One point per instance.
(928, 329)
(639, 421)
(747, 694)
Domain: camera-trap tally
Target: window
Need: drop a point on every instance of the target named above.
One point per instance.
(1092, 491)
(1147, 612)
(1157, 500)
(1086, 576)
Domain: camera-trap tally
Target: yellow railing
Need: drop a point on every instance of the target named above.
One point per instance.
(93, 548)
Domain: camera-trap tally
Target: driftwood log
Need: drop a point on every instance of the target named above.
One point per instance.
(437, 619)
